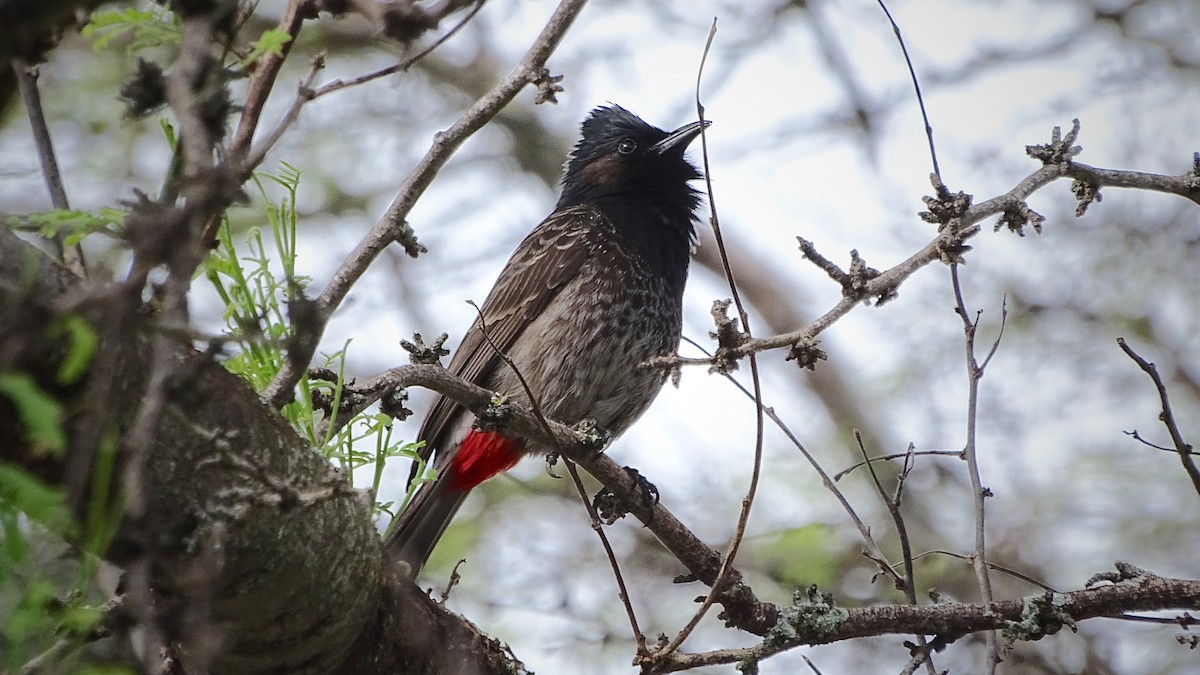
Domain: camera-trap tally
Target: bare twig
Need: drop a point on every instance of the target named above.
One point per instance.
(873, 552)
(392, 225)
(909, 586)
(1167, 416)
(916, 87)
(897, 455)
(718, 585)
(398, 67)
(597, 527)
(979, 493)
(71, 256)
(303, 95)
(992, 566)
(263, 82)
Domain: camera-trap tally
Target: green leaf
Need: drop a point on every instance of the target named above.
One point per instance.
(75, 224)
(154, 27)
(83, 342)
(270, 42)
(29, 495)
(40, 414)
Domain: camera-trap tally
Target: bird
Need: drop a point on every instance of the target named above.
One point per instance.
(586, 299)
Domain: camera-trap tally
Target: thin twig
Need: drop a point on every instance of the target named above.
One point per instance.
(916, 87)
(397, 67)
(893, 506)
(263, 82)
(979, 493)
(71, 256)
(303, 95)
(896, 455)
(1168, 417)
(622, 589)
(873, 552)
(743, 315)
(992, 566)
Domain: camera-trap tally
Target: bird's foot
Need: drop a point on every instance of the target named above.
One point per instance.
(610, 508)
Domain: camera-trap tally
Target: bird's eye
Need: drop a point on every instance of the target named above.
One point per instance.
(627, 146)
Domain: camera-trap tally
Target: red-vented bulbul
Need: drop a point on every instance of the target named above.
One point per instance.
(587, 298)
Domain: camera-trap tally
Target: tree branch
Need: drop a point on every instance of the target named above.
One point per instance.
(952, 236)
(1030, 618)
(239, 511)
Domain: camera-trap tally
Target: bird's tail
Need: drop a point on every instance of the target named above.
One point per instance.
(423, 521)
(481, 455)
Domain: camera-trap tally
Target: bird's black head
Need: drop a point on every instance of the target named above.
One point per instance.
(622, 162)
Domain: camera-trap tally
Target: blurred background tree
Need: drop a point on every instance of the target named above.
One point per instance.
(816, 134)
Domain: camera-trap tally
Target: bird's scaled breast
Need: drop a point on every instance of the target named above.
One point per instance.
(589, 347)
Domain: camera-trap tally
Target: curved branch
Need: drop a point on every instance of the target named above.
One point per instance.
(1030, 618)
(742, 609)
(952, 235)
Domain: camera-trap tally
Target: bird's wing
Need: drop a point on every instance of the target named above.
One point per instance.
(543, 263)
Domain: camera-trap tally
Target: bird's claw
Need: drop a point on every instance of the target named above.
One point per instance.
(610, 508)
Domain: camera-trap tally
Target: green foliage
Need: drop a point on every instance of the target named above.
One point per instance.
(40, 413)
(72, 223)
(802, 555)
(254, 294)
(154, 26)
(257, 282)
(270, 42)
(21, 492)
(35, 610)
(82, 342)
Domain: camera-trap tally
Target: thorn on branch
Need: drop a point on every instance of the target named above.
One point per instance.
(1085, 193)
(860, 278)
(944, 206)
(548, 87)
(1125, 572)
(812, 614)
(1040, 616)
(806, 354)
(1015, 219)
(407, 238)
(728, 338)
(423, 354)
(810, 253)
(1060, 149)
(392, 404)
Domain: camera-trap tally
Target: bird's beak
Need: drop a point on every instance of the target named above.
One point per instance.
(680, 138)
